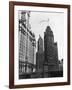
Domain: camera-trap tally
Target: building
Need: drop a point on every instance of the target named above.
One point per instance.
(61, 68)
(56, 57)
(27, 45)
(61, 65)
(40, 54)
(51, 53)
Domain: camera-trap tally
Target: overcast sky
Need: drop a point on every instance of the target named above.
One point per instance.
(56, 22)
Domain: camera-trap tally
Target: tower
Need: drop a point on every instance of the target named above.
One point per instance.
(48, 45)
(50, 53)
(40, 44)
(40, 54)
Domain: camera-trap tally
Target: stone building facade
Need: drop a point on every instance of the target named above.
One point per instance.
(27, 45)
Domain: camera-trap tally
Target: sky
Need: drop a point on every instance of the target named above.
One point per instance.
(55, 20)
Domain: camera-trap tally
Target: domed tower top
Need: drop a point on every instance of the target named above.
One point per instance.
(48, 28)
(49, 31)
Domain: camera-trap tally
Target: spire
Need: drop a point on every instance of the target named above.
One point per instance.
(39, 35)
(48, 21)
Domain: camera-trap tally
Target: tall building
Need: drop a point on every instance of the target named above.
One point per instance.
(27, 44)
(40, 44)
(56, 57)
(51, 51)
(40, 54)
